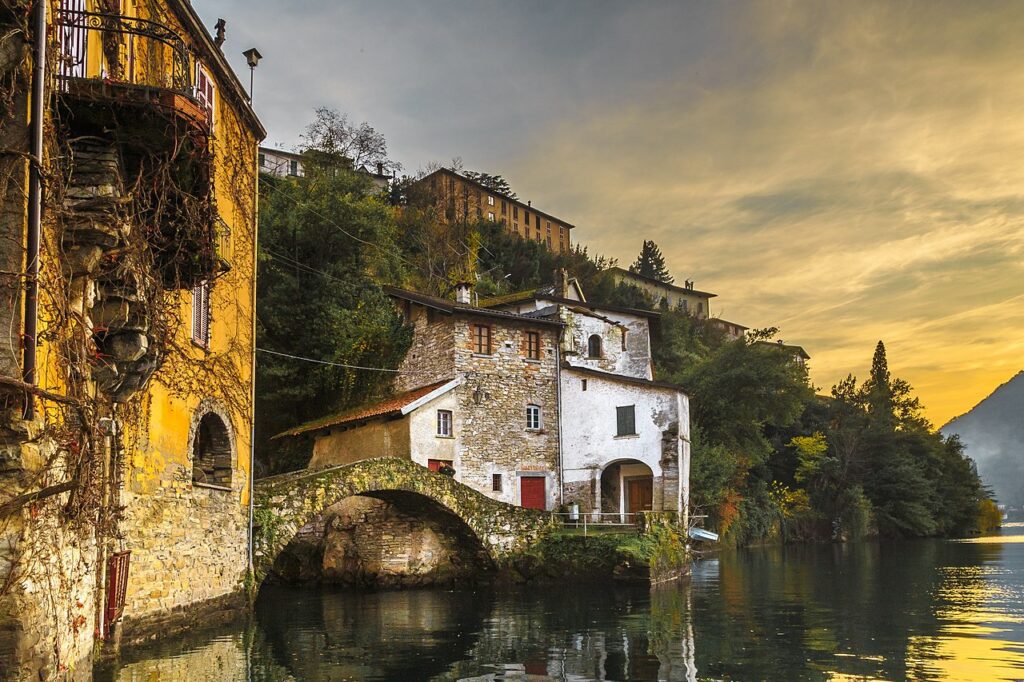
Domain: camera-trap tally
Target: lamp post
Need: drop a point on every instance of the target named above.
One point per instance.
(252, 58)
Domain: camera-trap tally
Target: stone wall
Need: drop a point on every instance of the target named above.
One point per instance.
(374, 439)
(491, 419)
(431, 356)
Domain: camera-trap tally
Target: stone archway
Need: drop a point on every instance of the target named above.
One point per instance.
(211, 446)
(286, 504)
(626, 488)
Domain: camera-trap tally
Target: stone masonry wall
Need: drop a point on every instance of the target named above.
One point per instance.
(431, 357)
(491, 420)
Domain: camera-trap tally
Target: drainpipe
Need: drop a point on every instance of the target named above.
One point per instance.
(558, 400)
(252, 376)
(683, 465)
(35, 208)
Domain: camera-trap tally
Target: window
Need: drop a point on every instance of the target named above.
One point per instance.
(263, 160)
(490, 216)
(549, 243)
(444, 423)
(515, 213)
(201, 314)
(594, 346)
(625, 420)
(533, 345)
(205, 89)
(293, 168)
(684, 305)
(583, 384)
(504, 207)
(536, 221)
(496, 483)
(211, 452)
(490, 200)
(526, 217)
(481, 339)
(533, 417)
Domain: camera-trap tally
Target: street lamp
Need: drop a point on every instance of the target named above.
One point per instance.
(252, 58)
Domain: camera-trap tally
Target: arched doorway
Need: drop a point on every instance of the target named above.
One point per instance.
(627, 488)
(212, 451)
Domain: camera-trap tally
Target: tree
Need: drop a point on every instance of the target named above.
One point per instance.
(650, 263)
(325, 240)
(332, 138)
(495, 183)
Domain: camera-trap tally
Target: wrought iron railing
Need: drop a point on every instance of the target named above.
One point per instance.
(121, 49)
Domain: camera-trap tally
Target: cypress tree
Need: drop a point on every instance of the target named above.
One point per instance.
(651, 263)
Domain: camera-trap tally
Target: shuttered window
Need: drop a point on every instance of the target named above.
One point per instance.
(625, 419)
(533, 345)
(205, 92)
(201, 315)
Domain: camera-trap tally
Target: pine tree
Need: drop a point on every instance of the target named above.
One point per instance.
(651, 263)
(878, 388)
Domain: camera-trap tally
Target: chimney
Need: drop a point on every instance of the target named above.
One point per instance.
(380, 168)
(220, 27)
(530, 203)
(463, 293)
(561, 283)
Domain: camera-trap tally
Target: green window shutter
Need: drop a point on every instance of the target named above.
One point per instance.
(625, 418)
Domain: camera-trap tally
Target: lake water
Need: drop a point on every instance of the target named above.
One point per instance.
(925, 610)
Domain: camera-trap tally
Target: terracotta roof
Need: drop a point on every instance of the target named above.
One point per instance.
(451, 307)
(386, 408)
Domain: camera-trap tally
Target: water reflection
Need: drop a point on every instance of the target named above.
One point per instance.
(921, 611)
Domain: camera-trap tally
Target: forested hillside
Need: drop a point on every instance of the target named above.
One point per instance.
(993, 434)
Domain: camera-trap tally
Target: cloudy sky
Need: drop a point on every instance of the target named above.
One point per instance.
(848, 172)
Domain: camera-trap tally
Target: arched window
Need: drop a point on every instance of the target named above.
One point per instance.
(594, 346)
(211, 452)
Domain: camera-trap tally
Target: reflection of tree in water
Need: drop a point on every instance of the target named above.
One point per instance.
(808, 611)
(333, 634)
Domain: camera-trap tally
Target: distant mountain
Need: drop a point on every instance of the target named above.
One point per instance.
(993, 432)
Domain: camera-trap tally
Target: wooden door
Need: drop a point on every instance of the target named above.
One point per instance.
(639, 494)
(532, 492)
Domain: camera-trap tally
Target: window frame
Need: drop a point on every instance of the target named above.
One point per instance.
(534, 417)
(478, 337)
(445, 424)
(590, 347)
(497, 484)
(620, 422)
(532, 345)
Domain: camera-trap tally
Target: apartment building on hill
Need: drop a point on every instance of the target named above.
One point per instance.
(460, 198)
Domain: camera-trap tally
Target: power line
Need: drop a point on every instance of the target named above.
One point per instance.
(331, 364)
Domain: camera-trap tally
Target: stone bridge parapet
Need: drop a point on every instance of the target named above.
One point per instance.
(283, 504)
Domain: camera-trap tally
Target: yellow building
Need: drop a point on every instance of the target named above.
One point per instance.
(459, 198)
(126, 468)
(685, 298)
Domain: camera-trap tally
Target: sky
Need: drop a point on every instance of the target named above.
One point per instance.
(845, 171)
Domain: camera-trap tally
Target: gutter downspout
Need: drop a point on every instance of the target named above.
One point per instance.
(252, 376)
(558, 400)
(35, 209)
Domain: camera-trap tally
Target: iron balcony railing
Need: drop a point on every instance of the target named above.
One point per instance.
(120, 49)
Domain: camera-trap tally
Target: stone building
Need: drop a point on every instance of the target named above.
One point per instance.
(127, 411)
(458, 198)
(477, 394)
(625, 436)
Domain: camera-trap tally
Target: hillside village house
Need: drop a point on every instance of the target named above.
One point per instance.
(625, 436)
(459, 198)
(282, 163)
(685, 298)
(476, 396)
(134, 452)
(732, 330)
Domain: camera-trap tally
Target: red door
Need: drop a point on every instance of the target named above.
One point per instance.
(532, 493)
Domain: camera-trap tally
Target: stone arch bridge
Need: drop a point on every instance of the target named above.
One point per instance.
(284, 504)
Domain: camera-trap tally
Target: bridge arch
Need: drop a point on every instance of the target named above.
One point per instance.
(284, 504)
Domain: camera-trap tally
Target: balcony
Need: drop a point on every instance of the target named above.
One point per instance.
(127, 62)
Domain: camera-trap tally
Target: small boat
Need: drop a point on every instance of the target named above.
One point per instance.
(701, 534)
